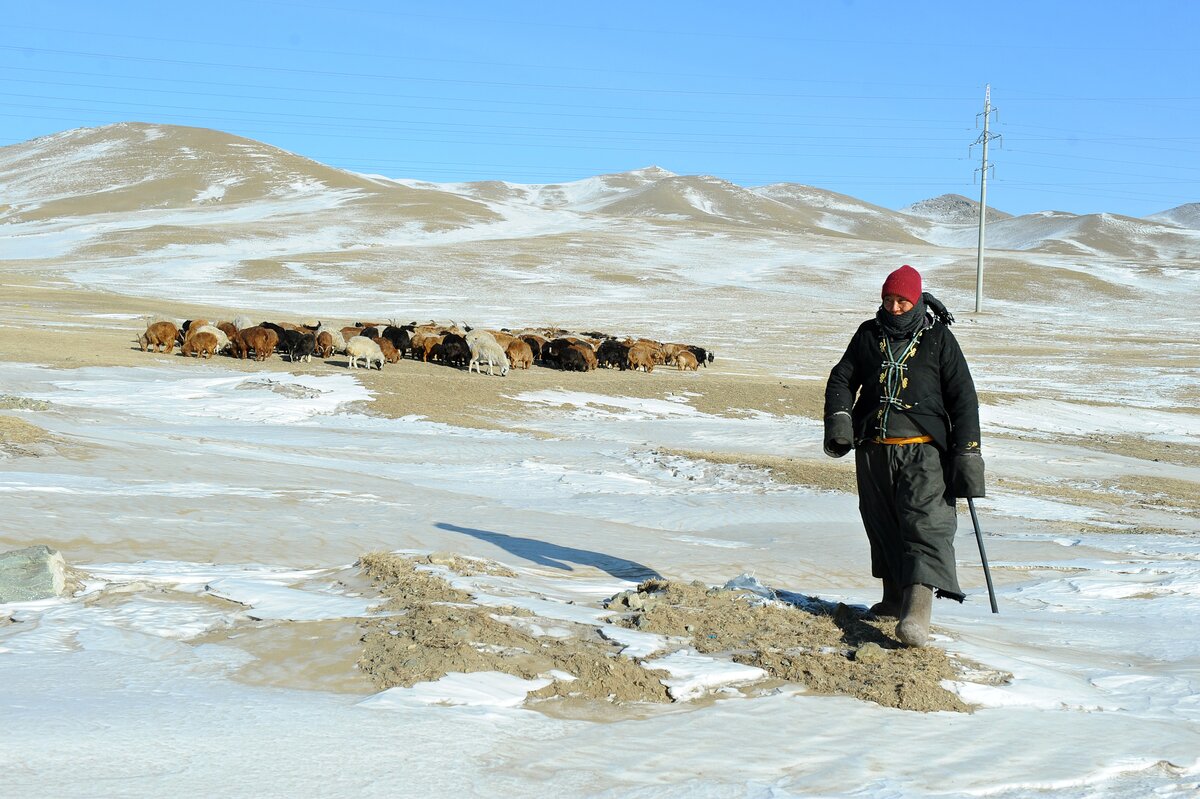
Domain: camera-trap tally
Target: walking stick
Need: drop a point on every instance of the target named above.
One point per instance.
(987, 573)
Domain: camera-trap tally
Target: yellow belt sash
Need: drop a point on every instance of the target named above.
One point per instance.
(913, 440)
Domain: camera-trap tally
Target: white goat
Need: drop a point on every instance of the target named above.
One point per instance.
(361, 347)
(241, 322)
(484, 348)
(339, 343)
(222, 339)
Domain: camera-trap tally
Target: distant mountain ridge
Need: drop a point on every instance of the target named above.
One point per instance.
(131, 167)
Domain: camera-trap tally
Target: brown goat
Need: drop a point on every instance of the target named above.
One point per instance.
(202, 344)
(237, 345)
(261, 339)
(589, 354)
(428, 344)
(535, 343)
(390, 353)
(189, 326)
(417, 341)
(324, 344)
(684, 359)
(669, 351)
(520, 355)
(642, 356)
(159, 334)
(502, 338)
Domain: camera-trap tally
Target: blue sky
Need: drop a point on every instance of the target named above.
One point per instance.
(1099, 109)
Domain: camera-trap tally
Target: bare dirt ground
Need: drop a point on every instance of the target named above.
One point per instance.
(19, 438)
(828, 648)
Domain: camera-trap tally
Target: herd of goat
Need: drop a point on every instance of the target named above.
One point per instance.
(374, 343)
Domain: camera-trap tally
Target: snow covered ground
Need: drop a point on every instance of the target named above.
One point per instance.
(216, 654)
(242, 514)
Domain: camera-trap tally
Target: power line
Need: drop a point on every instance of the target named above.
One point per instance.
(345, 120)
(740, 118)
(739, 115)
(725, 34)
(410, 139)
(425, 59)
(1172, 167)
(494, 84)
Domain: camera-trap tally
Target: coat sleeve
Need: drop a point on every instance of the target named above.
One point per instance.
(844, 381)
(958, 394)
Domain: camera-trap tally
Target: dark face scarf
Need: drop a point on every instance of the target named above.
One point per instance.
(928, 309)
(906, 324)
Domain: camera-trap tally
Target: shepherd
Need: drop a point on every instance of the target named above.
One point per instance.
(902, 397)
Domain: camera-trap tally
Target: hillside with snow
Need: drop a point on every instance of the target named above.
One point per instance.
(165, 171)
(1186, 216)
(131, 167)
(843, 214)
(952, 209)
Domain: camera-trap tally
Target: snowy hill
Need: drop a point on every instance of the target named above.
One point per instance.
(953, 209)
(845, 214)
(136, 167)
(1182, 215)
(703, 198)
(1070, 234)
(955, 224)
(188, 182)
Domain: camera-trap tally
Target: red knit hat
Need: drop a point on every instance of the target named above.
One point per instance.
(904, 282)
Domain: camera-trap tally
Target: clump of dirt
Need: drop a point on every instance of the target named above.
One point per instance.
(468, 567)
(432, 637)
(403, 585)
(431, 640)
(19, 438)
(12, 402)
(805, 640)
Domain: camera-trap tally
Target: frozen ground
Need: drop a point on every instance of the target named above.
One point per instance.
(219, 512)
(231, 515)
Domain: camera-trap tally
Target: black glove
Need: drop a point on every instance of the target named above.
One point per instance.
(839, 434)
(967, 478)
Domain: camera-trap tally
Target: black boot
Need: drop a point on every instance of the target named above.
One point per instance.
(893, 596)
(913, 629)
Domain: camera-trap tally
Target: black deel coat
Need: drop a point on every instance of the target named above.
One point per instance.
(939, 395)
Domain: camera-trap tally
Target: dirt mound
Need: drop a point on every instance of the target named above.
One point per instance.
(404, 586)
(800, 639)
(19, 438)
(829, 648)
(433, 638)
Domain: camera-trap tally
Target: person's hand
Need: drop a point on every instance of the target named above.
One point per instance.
(839, 434)
(967, 478)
